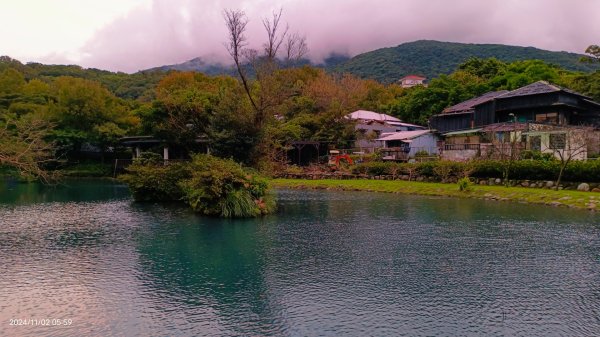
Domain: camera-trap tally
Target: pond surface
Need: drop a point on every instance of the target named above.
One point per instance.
(328, 263)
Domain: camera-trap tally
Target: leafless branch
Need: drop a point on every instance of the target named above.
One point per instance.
(22, 146)
(295, 48)
(236, 22)
(570, 146)
(274, 39)
(264, 63)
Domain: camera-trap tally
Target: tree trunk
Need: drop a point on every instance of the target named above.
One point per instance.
(506, 173)
(560, 173)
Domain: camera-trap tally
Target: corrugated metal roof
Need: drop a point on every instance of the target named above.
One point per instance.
(372, 116)
(443, 115)
(403, 135)
(463, 132)
(407, 125)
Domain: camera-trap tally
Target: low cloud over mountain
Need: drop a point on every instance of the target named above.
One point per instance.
(173, 31)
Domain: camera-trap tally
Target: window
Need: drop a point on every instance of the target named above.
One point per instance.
(558, 141)
(535, 143)
(550, 117)
(500, 136)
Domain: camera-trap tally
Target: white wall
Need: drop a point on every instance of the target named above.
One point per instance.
(575, 143)
(427, 142)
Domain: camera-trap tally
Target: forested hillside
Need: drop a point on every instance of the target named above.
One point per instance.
(54, 115)
(428, 58)
(432, 58)
(128, 86)
(200, 65)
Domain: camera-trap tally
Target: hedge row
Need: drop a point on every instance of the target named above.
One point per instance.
(576, 171)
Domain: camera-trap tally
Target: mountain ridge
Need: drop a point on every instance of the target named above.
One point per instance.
(434, 58)
(429, 58)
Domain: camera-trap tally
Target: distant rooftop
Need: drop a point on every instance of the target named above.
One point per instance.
(372, 116)
(403, 135)
(468, 105)
(413, 77)
(406, 125)
(539, 87)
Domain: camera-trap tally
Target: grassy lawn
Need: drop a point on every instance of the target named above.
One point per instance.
(574, 199)
(88, 170)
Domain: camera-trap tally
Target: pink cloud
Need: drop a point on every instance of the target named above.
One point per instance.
(173, 31)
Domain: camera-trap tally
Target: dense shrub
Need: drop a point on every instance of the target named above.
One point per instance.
(487, 169)
(149, 181)
(374, 168)
(464, 184)
(588, 171)
(575, 171)
(209, 185)
(534, 170)
(537, 155)
(426, 168)
(222, 187)
(443, 170)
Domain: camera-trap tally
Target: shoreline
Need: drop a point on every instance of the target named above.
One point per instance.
(562, 198)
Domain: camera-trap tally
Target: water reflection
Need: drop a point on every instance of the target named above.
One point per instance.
(328, 263)
(213, 264)
(74, 189)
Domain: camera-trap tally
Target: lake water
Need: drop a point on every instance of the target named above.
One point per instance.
(328, 263)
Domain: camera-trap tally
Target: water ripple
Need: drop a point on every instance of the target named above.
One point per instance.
(357, 264)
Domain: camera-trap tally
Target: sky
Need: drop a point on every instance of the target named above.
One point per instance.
(132, 35)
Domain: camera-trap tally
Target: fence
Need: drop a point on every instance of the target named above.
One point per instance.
(462, 147)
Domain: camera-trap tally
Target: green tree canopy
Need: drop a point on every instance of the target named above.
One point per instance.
(86, 112)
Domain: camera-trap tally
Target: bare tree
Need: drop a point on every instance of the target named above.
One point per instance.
(467, 169)
(236, 22)
(411, 170)
(570, 144)
(506, 146)
(274, 38)
(295, 48)
(22, 146)
(263, 64)
(503, 149)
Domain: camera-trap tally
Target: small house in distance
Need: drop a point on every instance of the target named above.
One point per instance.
(492, 141)
(411, 80)
(371, 125)
(408, 144)
(539, 102)
(540, 116)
